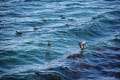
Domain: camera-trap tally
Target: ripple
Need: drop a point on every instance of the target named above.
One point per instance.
(96, 21)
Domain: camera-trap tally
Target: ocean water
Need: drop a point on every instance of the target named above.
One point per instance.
(63, 23)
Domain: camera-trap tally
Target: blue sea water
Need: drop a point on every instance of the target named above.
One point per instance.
(27, 56)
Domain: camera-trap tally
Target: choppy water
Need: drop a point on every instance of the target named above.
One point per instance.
(96, 21)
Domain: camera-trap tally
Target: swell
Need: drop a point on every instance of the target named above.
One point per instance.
(99, 26)
(77, 66)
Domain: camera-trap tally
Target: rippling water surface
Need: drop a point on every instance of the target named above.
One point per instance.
(28, 56)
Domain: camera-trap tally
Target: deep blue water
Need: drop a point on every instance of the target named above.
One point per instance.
(28, 56)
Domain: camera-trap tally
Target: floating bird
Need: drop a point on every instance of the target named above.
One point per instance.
(62, 17)
(93, 18)
(37, 72)
(35, 28)
(44, 20)
(18, 32)
(82, 45)
(49, 43)
(67, 25)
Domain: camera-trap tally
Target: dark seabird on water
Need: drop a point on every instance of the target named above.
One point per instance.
(18, 33)
(62, 17)
(35, 28)
(49, 43)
